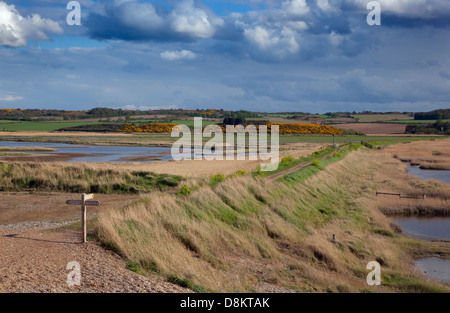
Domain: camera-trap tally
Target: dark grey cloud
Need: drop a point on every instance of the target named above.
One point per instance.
(142, 21)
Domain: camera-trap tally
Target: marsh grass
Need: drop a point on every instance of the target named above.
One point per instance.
(79, 178)
(26, 149)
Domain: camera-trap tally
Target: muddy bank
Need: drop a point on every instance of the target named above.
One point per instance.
(416, 211)
(140, 159)
(44, 157)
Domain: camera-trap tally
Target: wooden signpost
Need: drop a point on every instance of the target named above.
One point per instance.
(84, 202)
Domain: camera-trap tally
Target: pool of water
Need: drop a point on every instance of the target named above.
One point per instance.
(427, 174)
(435, 268)
(433, 228)
(97, 153)
(113, 154)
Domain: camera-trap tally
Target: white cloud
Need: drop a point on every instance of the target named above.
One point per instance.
(11, 98)
(147, 108)
(178, 55)
(16, 30)
(296, 7)
(280, 42)
(297, 25)
(140, 16)
(186, 18)
(324, 5)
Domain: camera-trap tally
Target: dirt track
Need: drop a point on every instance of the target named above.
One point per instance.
(298, 167)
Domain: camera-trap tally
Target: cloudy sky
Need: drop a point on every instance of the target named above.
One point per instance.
(259, 55)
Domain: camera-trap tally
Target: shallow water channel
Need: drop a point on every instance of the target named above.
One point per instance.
(429, 228)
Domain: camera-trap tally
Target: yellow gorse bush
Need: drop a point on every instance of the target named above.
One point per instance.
(148, 128)
(298, 129)
(306, 129)
(284, 129)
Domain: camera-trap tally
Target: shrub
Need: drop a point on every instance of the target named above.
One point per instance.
(287, 160)
(238, 173)
(134, 267)
(185, 283)
(185, 190)
(317, 164)
(215, 179)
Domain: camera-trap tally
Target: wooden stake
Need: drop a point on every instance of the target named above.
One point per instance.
(83, 217)
(84, 203)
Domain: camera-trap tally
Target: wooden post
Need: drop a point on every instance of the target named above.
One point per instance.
(84, 203)
(83, 217)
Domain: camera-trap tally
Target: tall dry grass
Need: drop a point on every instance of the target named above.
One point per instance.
(427, 154)
(393, 177)
(247, 232)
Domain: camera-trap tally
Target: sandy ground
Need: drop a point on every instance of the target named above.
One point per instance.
(34, 257)
(374, 128)
(16, 207)
(36, 261)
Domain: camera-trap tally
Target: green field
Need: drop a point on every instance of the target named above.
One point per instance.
(376, 118)
(190, 123)
(40, 126)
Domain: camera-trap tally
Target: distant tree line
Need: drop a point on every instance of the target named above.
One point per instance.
(437, 128)
(43, 115)
(433, 115)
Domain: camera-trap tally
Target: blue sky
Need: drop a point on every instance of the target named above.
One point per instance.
(259, 55)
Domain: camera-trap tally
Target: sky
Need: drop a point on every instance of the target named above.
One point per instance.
(260, 55)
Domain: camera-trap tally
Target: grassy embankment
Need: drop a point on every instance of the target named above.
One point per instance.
(244, 232)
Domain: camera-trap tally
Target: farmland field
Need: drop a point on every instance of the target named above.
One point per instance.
(40, 126)
(371, 118)
(419, 121)
(374, 128)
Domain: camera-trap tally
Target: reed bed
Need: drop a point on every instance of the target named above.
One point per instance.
(79, 178)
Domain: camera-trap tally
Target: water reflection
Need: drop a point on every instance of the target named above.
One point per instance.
(435, 268)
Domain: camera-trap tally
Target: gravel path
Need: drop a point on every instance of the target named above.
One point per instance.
(34, 260)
